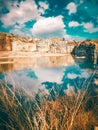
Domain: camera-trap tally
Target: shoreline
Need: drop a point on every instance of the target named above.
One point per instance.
(4, 55)
(33, 57)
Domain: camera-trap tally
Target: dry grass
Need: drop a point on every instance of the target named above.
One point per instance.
(20, 110)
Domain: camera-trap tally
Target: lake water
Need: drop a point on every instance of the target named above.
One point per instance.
(55, 76)
(64, 74)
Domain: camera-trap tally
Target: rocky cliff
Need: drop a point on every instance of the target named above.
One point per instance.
(88, 49)
(10, 42)
(5, 42)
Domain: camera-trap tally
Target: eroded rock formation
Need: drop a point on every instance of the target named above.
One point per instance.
(87, 49)
(5, 42)
(10, 42)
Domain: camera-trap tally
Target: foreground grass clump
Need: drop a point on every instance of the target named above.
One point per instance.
(20, 110)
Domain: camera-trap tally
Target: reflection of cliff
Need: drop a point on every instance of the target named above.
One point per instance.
(35, 62)
(6, 67)
(85, 63)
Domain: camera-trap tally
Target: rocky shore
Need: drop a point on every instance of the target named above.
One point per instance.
(19, 46)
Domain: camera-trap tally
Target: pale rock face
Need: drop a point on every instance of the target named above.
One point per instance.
(9, 42)
(43, 45)
(5, 43)
(22, 46)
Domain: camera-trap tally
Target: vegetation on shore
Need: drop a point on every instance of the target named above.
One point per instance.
(20, 110)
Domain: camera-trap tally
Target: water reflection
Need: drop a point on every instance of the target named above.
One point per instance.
(85, 63)
(50, 73)
(55, 76)
(74, 78)
(31, 72)
(6, 64)
(35, 62)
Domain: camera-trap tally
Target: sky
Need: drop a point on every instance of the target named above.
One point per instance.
(69, 19)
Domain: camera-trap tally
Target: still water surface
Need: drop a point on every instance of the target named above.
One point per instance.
(64, 74)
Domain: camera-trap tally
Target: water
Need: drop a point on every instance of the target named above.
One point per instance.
(44, 73)
(56, 77)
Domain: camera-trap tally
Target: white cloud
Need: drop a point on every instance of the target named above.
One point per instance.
(73, 24)
(72, 7)
(89, 27)
(49, 27)
(43, 5)
(26, 11)
(41, 10)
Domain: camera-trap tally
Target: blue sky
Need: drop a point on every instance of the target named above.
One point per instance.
(71, 19)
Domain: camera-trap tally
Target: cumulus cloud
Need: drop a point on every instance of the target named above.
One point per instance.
(43, 7)
(25, 11)
(89, 27)
(73, 24)
(49, 27)
(72, 7)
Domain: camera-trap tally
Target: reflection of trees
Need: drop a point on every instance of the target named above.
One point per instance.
(84, 63)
